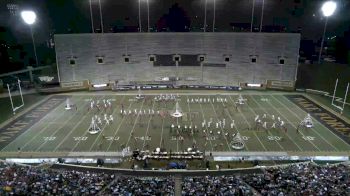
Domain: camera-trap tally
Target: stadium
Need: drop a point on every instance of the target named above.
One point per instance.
(175, 113)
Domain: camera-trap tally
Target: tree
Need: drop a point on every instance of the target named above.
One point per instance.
(176, 20)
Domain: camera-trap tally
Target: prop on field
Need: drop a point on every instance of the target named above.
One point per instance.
(140, 94)
(68, 104)
(240, 100)
(177, 112)
(237, 142)
(94, 128)
(307, 122)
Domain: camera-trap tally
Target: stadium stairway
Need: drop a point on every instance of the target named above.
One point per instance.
(178, 185)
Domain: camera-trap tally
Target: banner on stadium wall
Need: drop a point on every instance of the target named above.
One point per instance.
(287, 85)
(75, 84)
(255, 86)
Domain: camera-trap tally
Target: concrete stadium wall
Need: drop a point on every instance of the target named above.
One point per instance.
(240, 46)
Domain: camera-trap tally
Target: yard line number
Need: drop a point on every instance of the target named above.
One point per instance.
(80, 138)
(110, 138)
(308, 138)
(264, 99)
(49, 138)
(274, 138)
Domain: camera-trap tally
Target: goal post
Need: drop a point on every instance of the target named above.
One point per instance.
(15, 108)
(337, 99)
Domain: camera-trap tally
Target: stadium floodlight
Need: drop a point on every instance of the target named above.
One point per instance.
(29, 17)
(328, 8)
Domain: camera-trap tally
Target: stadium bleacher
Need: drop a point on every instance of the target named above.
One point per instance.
(302, 179)
(238, 48)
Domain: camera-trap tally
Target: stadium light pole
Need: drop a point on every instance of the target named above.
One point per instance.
(262, 15)
(91, 17)
(99, 3)
(29, 17)
(328, 9)
(252, 20)
(140, 27)
(148, 30)
(214, 7)
(205, 16)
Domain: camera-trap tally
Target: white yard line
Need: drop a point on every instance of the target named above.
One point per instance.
(206, 132)
(222, 130)
(32, 127)
(283, 117)
(85, 132)
(161, 136)
(249, 125)
(267, 130)
(135, 122)
(120, 124)
(189, 111)
(292, 112)
(100, 135)
(148, 124)
(72, 130)
(47, 126)
(325, 107)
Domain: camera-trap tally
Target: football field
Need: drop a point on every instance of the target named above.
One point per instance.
(48, 128)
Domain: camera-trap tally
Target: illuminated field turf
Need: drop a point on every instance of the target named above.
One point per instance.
(48, 128)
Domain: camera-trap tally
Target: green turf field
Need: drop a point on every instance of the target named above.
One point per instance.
(57, 130)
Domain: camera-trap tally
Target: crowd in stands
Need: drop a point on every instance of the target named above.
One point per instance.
(212, 185)
(26, 180)
(125, 185)
(302, 179)
(293, 179)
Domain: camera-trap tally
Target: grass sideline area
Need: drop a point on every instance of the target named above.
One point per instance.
(6, 109)
(61, 131)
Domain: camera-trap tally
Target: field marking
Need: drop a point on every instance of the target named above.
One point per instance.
(245, 119)
(327, 109)
(72, 130)
(272, 107)
(249, 125)
(85, 131)
(189, 111)
(32, 127)
(135, 122)
(120, 124)
(46, 127)
(148, 124)
(102, 131)
(161, 136)
(231, 120)
(266, 130)
(222, 130)
(206, 132)
(292, 112)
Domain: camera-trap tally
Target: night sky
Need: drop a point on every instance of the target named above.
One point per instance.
(73, 16)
